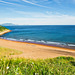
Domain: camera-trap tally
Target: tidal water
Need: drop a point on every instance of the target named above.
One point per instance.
(55, 35)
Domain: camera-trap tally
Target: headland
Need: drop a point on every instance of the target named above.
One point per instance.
(4, 30)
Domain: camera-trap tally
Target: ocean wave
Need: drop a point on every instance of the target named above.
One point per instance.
(21, 29)
(8, 38)
(72, 45)
(48, 42)
(11, 39)
(21, 39)
(29, 40)
(40, 42)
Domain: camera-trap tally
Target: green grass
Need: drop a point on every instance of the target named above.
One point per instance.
(21, 66)
(5, 52)
(3, 28)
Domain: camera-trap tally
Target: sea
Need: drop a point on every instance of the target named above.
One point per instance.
(51, 35)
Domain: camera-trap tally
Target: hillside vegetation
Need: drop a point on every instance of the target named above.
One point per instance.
(22, 66)
(7, 52)
(3, 28)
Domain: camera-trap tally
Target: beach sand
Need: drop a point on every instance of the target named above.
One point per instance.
(35, 51)
(5, 31)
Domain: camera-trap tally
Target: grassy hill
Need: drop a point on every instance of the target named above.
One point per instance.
(54, 66)
(3, 29)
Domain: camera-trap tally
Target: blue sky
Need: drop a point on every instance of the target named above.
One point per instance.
(37, 12)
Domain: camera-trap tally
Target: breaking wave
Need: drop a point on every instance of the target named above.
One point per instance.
(40, 42)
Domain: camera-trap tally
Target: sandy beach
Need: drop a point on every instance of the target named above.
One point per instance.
(36, 51)
(5, 31)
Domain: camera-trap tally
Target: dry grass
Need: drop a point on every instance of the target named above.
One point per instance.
(4, 52)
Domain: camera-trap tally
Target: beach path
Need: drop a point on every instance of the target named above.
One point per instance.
(36, 51)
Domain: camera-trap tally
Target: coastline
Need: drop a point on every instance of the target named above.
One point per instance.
(35, 50)
(32, 50)
(45, 45)
(4, 32)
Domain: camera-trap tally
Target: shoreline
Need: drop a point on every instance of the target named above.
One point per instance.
(4, 32)
(51, 45)
(35, 50)
(47, 45)
(31, 50)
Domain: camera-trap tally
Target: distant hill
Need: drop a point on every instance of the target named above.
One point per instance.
(7, 24)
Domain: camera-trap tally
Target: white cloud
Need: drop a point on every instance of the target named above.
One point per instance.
(46, 14)
(39, 1)
(7, 2)
(53, 20)
(31, 14)
(1, 1)
(41, 15)
(35, 3)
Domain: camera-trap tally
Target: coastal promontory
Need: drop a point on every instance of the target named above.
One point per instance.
(3, 30)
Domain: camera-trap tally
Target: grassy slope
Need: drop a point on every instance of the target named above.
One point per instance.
(5, 52)
(22, 66)
(55, 66)
(3, 28)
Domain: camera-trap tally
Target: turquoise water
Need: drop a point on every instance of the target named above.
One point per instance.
(59, 35)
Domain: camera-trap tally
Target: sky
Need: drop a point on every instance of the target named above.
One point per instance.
(37, 12)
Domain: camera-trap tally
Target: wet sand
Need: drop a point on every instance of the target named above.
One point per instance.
(34, 51)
